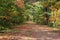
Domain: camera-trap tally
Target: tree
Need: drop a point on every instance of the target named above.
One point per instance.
(10, 14)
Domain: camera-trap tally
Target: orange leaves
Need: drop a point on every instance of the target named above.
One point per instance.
(52, 19)
(20, 3)
(51, 0)
(58, 4)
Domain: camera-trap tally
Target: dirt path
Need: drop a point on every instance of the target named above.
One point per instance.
(31, 31)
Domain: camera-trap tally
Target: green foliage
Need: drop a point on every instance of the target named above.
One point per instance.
(36, 11)
(10, 14)
(38, 8)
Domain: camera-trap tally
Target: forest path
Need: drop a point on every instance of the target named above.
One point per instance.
(32, 31)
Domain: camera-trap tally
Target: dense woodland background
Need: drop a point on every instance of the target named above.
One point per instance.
(17, 12)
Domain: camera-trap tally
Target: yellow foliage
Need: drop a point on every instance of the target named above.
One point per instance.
(14, 14)
(58, 4)
(45, 4)
(2, 16)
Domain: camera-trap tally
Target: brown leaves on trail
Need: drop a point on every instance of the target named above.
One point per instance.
(41, 32)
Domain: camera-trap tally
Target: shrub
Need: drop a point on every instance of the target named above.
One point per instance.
(10, 14)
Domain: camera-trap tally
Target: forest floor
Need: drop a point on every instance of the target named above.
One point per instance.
(32, 31)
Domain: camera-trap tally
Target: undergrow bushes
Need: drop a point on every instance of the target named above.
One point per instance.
(10, 14)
